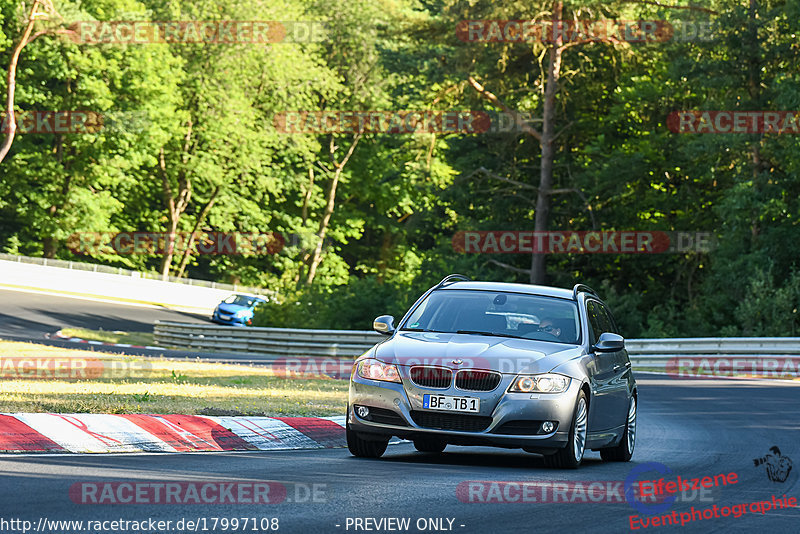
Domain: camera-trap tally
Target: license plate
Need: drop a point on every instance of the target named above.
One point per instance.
(448, 403)
(223, 316)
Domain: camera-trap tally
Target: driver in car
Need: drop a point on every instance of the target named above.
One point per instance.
(550, 326)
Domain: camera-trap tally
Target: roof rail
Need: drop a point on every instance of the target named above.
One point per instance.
(451, 277)
(583, 288)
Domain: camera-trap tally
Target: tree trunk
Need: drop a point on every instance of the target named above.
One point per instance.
(316, 255)
(542, 214)
(304, 218)
(10, 119)
(175, 207)
(754, 90)
(385, 256)
(307, 196)
(187, 253)
(169, 244)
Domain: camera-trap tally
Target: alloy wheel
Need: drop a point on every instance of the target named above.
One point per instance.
(632, 425)
(580, 429)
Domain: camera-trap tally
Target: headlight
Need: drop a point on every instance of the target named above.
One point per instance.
(242, 313)
(546, 383)
(376, 370)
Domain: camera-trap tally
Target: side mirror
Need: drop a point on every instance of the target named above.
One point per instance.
(609, 342)
(384, 325)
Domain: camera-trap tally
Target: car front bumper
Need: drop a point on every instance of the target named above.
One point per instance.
(505, 420)
(231, 320)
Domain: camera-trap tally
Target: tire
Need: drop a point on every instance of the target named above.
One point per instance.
(363, 448)
(570, 457)
(624, 450)
(429, 445)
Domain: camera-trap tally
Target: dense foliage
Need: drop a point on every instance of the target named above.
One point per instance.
(190, 142)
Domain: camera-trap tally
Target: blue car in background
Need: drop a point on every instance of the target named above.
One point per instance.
(236, 310)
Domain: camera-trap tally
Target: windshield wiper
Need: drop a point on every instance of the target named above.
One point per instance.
(495, 334)
(419, 330)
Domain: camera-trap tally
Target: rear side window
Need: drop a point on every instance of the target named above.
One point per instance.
(599, 320)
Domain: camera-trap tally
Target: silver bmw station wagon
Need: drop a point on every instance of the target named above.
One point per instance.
(497, 364)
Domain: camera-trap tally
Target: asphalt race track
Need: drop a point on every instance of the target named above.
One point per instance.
(24, 315)
(695, 428)
(30, 317)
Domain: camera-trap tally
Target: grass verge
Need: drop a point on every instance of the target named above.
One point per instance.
(158, 385)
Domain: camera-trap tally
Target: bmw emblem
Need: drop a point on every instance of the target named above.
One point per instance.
(458, 362)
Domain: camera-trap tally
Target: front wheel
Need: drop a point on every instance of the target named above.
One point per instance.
(623, 451)
(570, 457)
(363, 448)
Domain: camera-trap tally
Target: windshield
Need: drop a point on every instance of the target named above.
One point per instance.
(241, 300)
(497, 313)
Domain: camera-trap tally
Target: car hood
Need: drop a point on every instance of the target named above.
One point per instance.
(231, 308)
(472, 351)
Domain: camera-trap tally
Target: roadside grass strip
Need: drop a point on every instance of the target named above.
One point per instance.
(131, 433)
(42, 379)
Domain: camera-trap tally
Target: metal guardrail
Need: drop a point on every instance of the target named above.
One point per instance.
(297, 342)
(266, 341)
(97, 268)
(658, 353)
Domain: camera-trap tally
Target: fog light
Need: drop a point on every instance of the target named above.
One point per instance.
(547, 427)
(362, 411)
